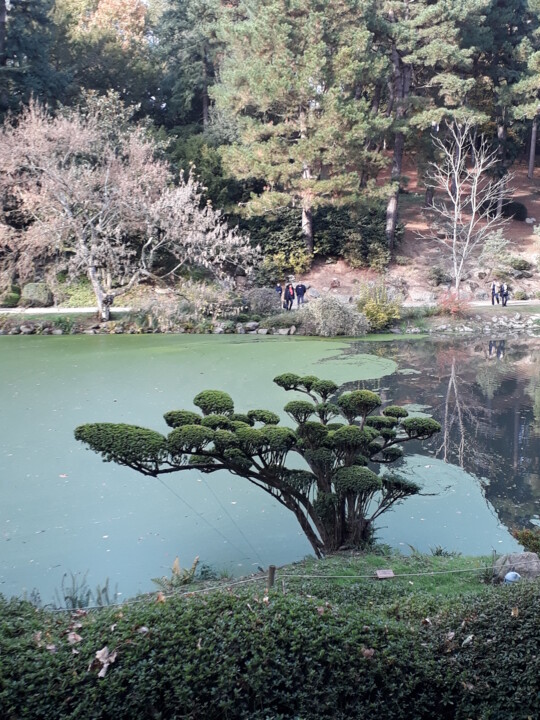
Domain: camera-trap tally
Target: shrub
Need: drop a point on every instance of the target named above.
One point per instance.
(357, 235)
(510, 209)
(530, 539)
(262, 301)
(520, 295)
(75, 294)
(378, 306)
(494, 250)
(515, 210)
(11, 298)
(452, 303)
(437, 276)
(317, 654)
(519, 263)
(328, 317)
(402, 260)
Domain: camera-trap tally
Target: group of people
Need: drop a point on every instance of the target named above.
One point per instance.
(499, 292)
(290, 293)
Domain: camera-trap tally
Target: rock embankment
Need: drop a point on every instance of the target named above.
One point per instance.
(514, 323)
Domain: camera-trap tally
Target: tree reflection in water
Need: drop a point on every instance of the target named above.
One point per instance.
(486, 395)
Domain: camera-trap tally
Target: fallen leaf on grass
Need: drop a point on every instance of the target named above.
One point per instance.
(73, 638)
(515, 612)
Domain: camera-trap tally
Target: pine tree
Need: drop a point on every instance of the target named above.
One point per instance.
(299, 77)
(26, 36)
(189, 47)
(431, 56)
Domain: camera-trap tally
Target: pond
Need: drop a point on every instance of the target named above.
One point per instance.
(65, 511)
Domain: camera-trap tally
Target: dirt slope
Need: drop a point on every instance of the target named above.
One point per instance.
(421, 255)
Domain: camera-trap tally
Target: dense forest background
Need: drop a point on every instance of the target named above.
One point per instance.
(295, 115)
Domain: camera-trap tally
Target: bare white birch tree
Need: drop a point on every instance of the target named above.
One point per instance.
(79, 194)
(464, 212)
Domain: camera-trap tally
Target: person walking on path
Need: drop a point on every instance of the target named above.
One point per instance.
(279, 291)
(300, 292)
(503, 292)
(288, 297)
(494, 293)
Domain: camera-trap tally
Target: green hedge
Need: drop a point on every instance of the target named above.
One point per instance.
(243, 655)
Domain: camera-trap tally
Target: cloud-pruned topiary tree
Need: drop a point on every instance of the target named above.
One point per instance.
(336, 498)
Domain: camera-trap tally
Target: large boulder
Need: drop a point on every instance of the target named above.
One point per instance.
(36, 295)
(526, 564)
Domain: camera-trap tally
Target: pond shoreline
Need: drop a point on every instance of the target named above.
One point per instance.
(416, 320)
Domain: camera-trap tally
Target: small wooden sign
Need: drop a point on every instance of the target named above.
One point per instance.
(384, 574)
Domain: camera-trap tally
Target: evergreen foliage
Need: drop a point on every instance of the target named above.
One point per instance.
(321, 651)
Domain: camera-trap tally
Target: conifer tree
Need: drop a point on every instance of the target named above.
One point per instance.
(299, 77)
(431, 55)
(188, 46)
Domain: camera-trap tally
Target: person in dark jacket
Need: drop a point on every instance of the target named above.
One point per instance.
(503, 292)
(288, 297)
(300, 292)
(494, 293)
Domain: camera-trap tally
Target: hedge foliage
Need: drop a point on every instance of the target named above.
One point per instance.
(244, 654)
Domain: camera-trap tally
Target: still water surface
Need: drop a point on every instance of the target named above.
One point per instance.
(63, 510)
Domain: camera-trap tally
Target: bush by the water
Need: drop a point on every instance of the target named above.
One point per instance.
(250, 655)
(327, 316)
(10, 298)
(379, 305)
(262, 301)
(529, 538)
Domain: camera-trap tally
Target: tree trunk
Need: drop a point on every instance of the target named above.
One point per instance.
(307, 207)
(401, 89)
(104, 308)
(4, 102)
(501, 138)
(428, 200)
(532, 150)
(307, 227)
(205, 98)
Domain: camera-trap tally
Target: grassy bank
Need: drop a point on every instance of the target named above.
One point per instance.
(436, 642)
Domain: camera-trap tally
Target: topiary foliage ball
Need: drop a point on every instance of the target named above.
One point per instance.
(214, 402)
(324, 388)
(420, 428)
(395, 411)
(123, 444)
(189, 439)
(177, 418)
(356, 479)
(288, 381)
(263, 416)
(299, 410)
(358, 403)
